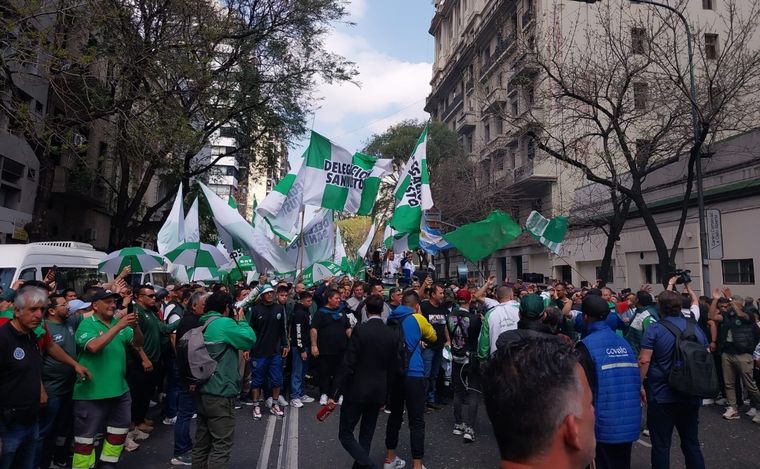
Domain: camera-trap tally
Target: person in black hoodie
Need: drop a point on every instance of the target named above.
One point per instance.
(300, 342)
(268, 322)
(330, 330)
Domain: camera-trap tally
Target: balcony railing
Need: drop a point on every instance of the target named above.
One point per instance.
(527, 18)
(454, 104)
(504, 46)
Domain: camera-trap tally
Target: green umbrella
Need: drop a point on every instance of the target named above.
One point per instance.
(197, 255)
(139, 259)
(204, 273)
(320, 271)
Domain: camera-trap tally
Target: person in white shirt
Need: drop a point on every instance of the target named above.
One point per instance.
(501, 315)
(390, 268)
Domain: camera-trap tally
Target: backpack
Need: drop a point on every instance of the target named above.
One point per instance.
(693, 371)
(403, 355)
(194, 363)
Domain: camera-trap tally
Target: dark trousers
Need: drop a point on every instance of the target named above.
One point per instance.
(215, 431)
(183, 443)
(172, 388)
(613, 456)
(661, 419)
(142, 385)
(412, 392)
(432, 358)
(465, 394)
(55, 430)
(328, 366)
(350, 414)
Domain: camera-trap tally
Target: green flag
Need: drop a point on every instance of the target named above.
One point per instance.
(481, 239)
(412, 192)
(550, 233)
(253, 211)
(231, 202)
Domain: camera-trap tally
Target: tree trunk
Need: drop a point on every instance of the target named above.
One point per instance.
(663, 254)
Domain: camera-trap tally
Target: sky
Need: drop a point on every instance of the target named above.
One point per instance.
(393, 52)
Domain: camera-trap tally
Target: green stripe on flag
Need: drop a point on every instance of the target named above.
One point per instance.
(481, 239)
(402, 187)
(369, 195)
(283, 187)
(318, 152)
(334, 197)
(364, 161)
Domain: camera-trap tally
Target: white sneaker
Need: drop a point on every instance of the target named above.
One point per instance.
(130, 444)
(139, 435)
(340, 400)
(751, 412)
(170, 421)
(458, 429)
(397, 463)
(756, 419)
(323, 399)
(706, 402)
(276, 411)
(269, 402)
(195, 416)
(307, 399)
(469, 435)
(281, 400)
(721, 401)
(645, 432)
(296, 403)
(731, 414)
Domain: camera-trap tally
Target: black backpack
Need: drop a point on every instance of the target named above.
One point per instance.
(693, 372)
(403, 354)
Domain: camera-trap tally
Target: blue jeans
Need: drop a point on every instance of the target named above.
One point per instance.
(183, 443)
(49, 424)
(297, 373)
(19, 445)
(661, 418)
(172, 389)
(432, 360)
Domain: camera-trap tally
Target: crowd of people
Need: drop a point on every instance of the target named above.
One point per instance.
(567, 375)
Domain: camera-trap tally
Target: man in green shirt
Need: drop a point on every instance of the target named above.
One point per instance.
(144, 371)
(104, 400)
(215, 401)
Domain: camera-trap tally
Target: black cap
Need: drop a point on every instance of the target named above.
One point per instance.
(595, 307)
(98, 294)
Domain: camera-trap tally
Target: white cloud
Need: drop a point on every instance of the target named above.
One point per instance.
(356, 9)
(389, 90)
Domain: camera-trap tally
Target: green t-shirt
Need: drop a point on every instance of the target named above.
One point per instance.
(108, 367)
(153, 329)
(57, 377)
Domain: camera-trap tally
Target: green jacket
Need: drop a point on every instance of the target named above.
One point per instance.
(153, 329)
(224, 337)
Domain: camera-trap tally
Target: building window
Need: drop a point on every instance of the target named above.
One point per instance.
(652, 274)
(227, 132)
(708, 4)
(498, 126)
(711, 46)
(639, 40)
(739, 272)
(640, 96)
(487, 133)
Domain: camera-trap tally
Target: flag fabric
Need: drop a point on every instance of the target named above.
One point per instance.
(400, 242)
(431, 240)
(339, 180)
(340, 256)
(367, 242)
(192, 227)
(412, 192)
(550, 233)
(172, 233)
(281, 208)
(480, 239)
(253, 211)
(319, 271)
(318, 242)
(236, 233)
(231, 202)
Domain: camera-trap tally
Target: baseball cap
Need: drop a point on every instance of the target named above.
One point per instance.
(8, 295)
(464, 295)
(76, 305)
(532, 306)
(595, 307)
(266, 289)
(101, 294)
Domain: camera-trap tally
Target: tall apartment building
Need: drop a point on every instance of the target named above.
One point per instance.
(488, 87)
(260, 177)
(482, 69)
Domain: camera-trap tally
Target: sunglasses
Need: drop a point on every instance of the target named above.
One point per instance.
(150, 296)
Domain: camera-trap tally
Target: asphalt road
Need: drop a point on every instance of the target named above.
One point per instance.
(300, 441)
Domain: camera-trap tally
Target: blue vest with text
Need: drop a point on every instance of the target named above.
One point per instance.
(616, 397)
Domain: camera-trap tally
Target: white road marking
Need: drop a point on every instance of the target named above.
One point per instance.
(292, 453)
(267, 447)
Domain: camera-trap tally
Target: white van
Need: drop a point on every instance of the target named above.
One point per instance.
(77, 263)
(158, 277)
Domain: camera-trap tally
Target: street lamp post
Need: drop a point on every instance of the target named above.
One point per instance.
(696, 136)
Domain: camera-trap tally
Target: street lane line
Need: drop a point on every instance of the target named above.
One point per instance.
(285, 423)
(643, 443)
(291, 457)
(267, 446)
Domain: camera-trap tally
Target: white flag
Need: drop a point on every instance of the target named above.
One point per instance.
(192, 228)
(340, 249)
(318, 241)
(282, 207)
(412, 192)
(365, 246)
(172, 234)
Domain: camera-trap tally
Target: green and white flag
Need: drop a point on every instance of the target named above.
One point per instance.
(340, 256)
(236, 233)
(400, 242)
(412, 192)
(172, 233)
(367, 242)
(318, 241)
(320, 271)
(192, 228)
(339, 180)
(281, 208)
(550, 233)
